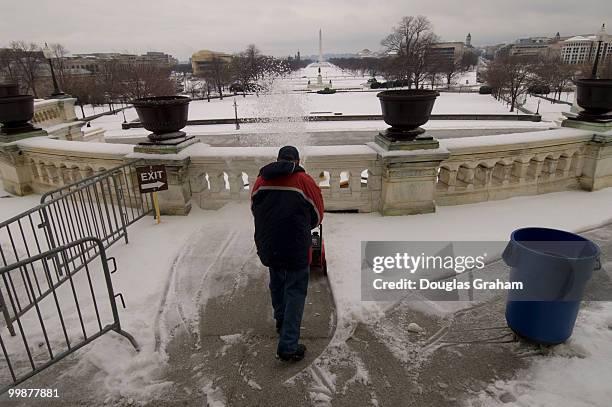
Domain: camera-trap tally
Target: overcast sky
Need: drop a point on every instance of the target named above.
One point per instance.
(281, 27)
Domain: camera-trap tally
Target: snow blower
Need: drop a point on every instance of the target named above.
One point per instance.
(318, 251)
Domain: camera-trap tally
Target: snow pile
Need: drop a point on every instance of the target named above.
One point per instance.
(576, 373)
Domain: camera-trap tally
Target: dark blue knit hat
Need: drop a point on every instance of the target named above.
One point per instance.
(288, 153)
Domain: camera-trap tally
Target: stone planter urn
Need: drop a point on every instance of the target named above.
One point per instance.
(595, 97)
(405, 111)
(164, 116)
(16, 111)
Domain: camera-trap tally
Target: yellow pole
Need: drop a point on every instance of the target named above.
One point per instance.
(156, 205)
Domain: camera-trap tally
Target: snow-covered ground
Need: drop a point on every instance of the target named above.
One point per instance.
(114, 133)
(342, 79)
(300, 104)
(550, 111)
(145, 269)
(347, 103)
(486, 221)
(91, 110)
(575, 374)
(283, 101)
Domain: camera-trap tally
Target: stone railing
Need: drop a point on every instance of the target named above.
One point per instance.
(349, 176)
(50, 112)
(57, 118)
(45, 164)
(498, 167)
(361, 178)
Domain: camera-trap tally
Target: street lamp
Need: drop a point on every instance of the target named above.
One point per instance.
(601, 36)
(123, 107)
(48, 54)
(236, 114)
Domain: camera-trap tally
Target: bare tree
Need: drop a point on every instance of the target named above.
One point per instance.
(132, 80)
(195, 88)
(369, 66)
(27, 58)
(411, 41)
(554, 73)
(451, 68)
(7, 70)
(468, 60)
(247, 67)
(217, 74)
(510, 77)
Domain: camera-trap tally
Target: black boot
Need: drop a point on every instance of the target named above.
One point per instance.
(294, 356)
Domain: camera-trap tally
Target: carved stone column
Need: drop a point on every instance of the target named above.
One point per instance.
(597, 164)
(15, 171)
(409, 179)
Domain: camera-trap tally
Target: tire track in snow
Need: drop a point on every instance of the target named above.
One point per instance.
(172, 284)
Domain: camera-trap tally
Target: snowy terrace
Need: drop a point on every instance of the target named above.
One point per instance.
(487, 185)
(148, 264)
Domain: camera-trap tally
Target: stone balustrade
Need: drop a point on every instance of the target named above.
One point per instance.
(349, 176)
(45, 164)
(50, 112)
(58, 119)
(359, 178)
(498, 167)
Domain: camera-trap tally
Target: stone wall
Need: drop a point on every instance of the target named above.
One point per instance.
(360, 178)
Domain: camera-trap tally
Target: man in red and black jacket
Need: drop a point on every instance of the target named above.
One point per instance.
(286, 204)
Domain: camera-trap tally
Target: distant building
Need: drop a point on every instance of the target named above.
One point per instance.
(532, 46)
(452, 50)
(82, 65)
(490, 51)
(582, 49)
(201, 60)
(530, 49)
(93, 62)
(366, 53)
(448, 51)
(161, 57)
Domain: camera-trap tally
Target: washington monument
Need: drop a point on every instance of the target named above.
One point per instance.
(320, 46)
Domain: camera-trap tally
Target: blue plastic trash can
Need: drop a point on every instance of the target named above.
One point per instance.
(554, 267)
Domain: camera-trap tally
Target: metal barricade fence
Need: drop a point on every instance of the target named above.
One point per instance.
(117, 186)
(71, 316)
(101, 206)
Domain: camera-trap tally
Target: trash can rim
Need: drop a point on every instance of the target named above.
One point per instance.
(520, 243)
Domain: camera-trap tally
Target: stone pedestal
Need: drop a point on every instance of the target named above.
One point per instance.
(66, 104)
(597, 164)
(421, 141)
(572, 121)
(9, 137)
(177, 199)
(409, 179)
(597, 159)
(172, 146)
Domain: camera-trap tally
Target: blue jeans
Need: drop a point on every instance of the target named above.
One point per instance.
(288, 289)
